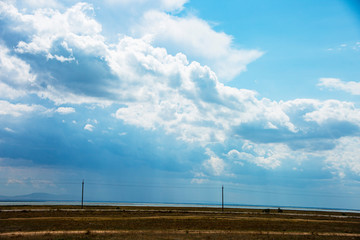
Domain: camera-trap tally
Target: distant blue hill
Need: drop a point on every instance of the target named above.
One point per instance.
(37, 197)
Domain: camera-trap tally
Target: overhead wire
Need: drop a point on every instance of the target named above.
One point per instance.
(176, 186)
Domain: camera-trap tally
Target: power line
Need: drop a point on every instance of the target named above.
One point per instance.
(152, 186)
(293, 194)
(186, 187)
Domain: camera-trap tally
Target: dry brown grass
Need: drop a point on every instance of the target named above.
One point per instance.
(64, 222)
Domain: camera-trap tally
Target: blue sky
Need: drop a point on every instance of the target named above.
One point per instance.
(165, 101)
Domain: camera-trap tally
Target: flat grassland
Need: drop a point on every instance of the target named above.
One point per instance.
(99, 222)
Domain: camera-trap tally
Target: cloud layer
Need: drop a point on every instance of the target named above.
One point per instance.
(62, 58)
(337, 84)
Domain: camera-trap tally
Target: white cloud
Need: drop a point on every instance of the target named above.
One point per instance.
(340, 160)
(9, 130)
(15, 75)
(89, 127)
(13, 69)
(267, 156)
(166, 5)
(10, 93)
(183, 98)
(344, 157)
(337, 84)
(17, 110)
(215, 164)
(333, 110)
(305, 111)
(14, 181)
(34, 4)
(161, 91)
(61, 95)
(65, 110)
(46, 28)
(60, 58)
(74, 27)
(199, 180)
(171, 5)
(346, 46)
(199, 175)
(198, 40)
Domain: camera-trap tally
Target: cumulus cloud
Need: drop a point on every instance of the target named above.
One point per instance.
(47, 26)
(188, 34)
(166, 5)
(344, 157)
(334, 110)
(214, 164)
(338, 84)
(341, 160)
(53, 35)
(154, 90)
(175, 92)
(320, 128)
(198, 40)
(184, 98)
(89, 127)
(62, 95)
(263, 155)
(65, 110)
(15, 75)
(60, 58)
(10, 93)
(17, 110)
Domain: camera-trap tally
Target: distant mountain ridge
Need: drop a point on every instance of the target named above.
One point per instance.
(37, 197)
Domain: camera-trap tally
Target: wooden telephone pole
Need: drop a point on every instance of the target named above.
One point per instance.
(222, 198)
(82, 194)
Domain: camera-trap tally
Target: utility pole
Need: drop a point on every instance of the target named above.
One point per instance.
(222, 198)
(82, 194)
